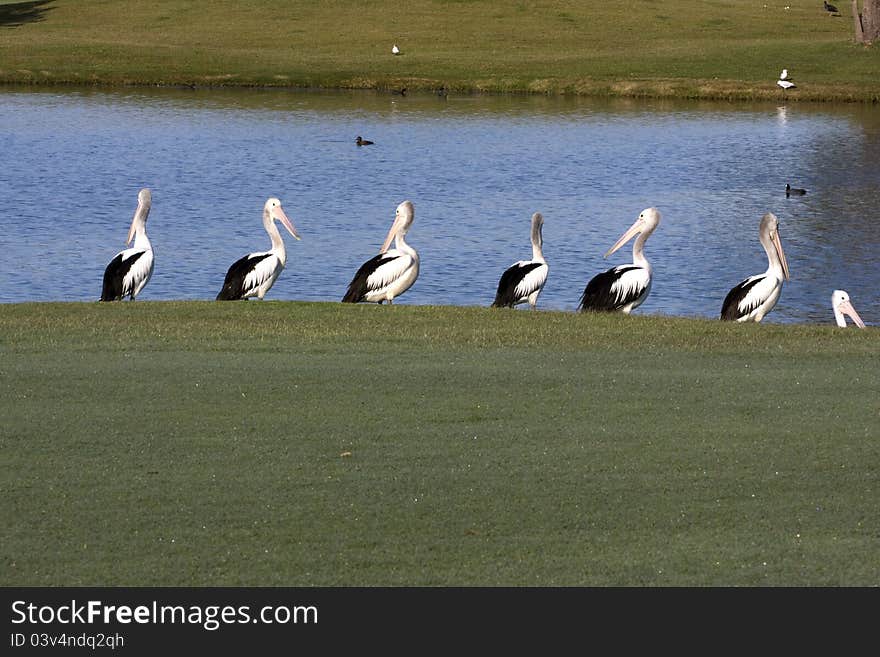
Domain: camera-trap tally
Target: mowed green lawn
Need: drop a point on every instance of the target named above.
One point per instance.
(685, 48)
(287, 443)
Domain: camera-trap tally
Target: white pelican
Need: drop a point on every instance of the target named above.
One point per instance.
(841, 304)
(756, 295)
(391, 273)
(395, 50)
(524, 280)
(130, 270)
(784, 74)
(255, 273)
(624, 287)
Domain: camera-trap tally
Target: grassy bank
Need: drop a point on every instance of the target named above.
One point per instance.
(650, 48)
(282, 443)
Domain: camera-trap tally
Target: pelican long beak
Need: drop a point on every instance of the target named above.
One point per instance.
(133, 229)
(392, 232)
(135, 220)
(777, 244)
(635, 229)
(278, 213)
(847, 309)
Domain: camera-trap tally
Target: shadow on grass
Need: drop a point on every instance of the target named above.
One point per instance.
(18, 13)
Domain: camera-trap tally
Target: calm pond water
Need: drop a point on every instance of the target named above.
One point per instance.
(476, 168)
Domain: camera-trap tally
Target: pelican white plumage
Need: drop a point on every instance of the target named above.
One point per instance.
(754, 297)
(391, 273)
(523, 281)
(255, 273)
(625, 287)
(131, 269)
(843, 306)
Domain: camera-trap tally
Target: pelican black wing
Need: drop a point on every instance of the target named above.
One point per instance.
(358, 287)
(113, 288)
(506, 295)
(730, 309)
(599, 295)
(233, 284)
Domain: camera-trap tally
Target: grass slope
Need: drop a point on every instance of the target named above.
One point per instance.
(709, 49)
(284, 443)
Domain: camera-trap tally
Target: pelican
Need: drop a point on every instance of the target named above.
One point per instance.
(391, 273)
(624, 287)
(255, 273)
(841, 304)
(130, 270)
(395, 50)
(524, 280)
(752, 299)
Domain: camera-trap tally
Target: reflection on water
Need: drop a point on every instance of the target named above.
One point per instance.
(476, 167)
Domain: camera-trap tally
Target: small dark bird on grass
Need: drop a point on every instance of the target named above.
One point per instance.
(442, 92)
(362, 142)
(789, 190)
(830, 8)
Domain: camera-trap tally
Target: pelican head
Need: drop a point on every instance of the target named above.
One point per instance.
(769, 235)
(648, 220)
(403, 219)
(272, 211)
(841, 304)
(537, 225)
(145, 200)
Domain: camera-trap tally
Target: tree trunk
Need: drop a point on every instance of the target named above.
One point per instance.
(857, 22)
(871, 20)
(866, 23)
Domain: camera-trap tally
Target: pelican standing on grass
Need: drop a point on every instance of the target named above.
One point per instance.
(842, 306)
(391, 273)
(130, 270)
(255, 273)
(625, 287)
(753, 298)
(524, 280)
